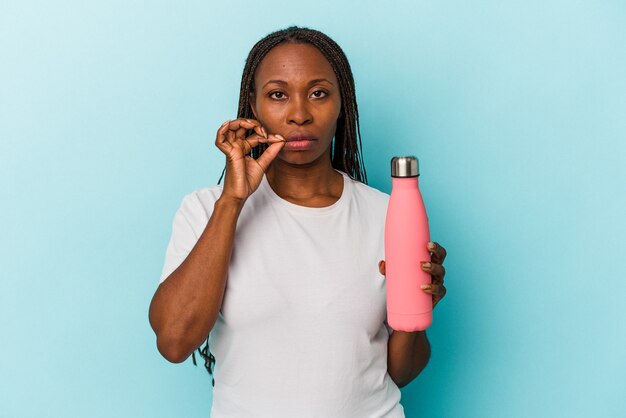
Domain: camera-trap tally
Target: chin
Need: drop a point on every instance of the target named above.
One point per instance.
(302, 157)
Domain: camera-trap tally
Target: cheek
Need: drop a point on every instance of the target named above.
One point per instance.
(268, 115)
(333, 117)
(337, 110)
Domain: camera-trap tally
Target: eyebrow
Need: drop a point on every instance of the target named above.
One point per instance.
(284, 83)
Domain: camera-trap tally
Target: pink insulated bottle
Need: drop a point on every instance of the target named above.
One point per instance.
(409, 308)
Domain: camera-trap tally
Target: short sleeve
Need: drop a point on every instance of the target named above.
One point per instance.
(188, 224)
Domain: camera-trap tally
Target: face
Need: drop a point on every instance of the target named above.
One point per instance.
(296, 95)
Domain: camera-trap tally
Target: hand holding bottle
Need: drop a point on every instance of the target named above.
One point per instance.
(434, 266)
(407, 239)
(244, 173)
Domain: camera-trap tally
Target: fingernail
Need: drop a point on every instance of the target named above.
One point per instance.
(425, 286)
(264, 131)
(280, 137)
(431, 245)
(426, 265)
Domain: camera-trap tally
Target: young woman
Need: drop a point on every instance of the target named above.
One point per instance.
(278, 267)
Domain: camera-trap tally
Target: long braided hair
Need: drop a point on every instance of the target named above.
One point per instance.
(346, 154)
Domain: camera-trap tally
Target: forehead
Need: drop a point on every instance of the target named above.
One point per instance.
(294, 62)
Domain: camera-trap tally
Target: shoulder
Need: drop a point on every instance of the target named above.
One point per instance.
(369, 193)
(199, 203)
(369, 200)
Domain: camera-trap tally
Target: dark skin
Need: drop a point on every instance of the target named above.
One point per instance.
(296, 91)
(408, 352)
(434, 266)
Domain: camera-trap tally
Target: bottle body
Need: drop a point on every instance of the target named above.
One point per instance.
(409, 308)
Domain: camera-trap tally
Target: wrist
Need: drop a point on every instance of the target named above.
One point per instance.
(230, 203)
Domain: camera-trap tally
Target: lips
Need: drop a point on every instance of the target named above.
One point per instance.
(300, 141)
(300, 136)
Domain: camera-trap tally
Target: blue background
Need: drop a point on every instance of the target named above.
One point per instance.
(517, 110)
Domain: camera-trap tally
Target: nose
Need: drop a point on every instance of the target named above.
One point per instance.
(299, 112)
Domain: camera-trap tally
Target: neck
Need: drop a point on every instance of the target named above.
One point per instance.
(305, 181)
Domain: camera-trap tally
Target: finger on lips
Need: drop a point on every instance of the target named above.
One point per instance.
(274, 138)
(233, 130)
(254, 140)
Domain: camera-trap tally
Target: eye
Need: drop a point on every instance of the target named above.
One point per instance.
(277, 95)
(318, 94)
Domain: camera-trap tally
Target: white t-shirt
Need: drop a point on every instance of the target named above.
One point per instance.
(302, 329)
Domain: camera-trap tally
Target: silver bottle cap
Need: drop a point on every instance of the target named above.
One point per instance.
(404, 167)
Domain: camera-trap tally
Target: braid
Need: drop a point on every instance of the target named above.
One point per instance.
(346, 154)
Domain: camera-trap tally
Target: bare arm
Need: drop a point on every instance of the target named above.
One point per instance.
(407, 356)
(408, 352)
(186, 305)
